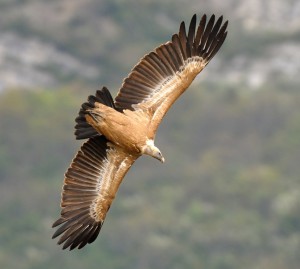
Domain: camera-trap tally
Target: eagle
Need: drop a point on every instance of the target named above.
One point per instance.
(120, 130)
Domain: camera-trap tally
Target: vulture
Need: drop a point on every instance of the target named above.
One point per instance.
(120, 130)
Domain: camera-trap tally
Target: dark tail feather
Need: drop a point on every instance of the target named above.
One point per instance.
(82, 129)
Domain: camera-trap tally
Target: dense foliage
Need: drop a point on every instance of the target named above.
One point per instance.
(228, 194)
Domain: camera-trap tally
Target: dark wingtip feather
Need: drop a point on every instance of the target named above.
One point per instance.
(212, 37)
(204, 41)
(57, 223)
(199, 34)
(183, 39)
(192, 27)
(217, 42)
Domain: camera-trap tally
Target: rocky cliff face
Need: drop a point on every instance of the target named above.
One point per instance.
(47, 43)
(32, 63)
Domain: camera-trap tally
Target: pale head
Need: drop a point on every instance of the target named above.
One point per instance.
(150, 149)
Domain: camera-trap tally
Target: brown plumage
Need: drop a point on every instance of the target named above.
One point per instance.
(121, 130)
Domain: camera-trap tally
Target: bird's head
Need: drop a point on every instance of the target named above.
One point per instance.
(153, 151)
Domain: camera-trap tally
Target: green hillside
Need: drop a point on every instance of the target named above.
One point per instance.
(227, 195)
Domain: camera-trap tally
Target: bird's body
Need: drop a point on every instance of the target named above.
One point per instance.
(126, 130)
(121, 130)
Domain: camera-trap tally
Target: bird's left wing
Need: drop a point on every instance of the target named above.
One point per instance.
(90, 185)
(164, 74)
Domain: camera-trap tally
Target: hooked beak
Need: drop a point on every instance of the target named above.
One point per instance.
(160, 157)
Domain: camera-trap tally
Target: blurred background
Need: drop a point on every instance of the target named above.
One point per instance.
(228, 195)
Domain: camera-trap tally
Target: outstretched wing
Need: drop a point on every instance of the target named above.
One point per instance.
(90, 185)
(164, 74)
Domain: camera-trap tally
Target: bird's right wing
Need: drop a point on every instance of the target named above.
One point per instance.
(90, 185)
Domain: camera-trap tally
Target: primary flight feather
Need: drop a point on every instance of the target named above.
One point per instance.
(121, 130)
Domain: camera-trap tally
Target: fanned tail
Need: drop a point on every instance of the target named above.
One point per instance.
(83, 130)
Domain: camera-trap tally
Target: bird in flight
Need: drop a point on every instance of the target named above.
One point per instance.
(120, 131)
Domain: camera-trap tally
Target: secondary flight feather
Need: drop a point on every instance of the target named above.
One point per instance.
(121, 130)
